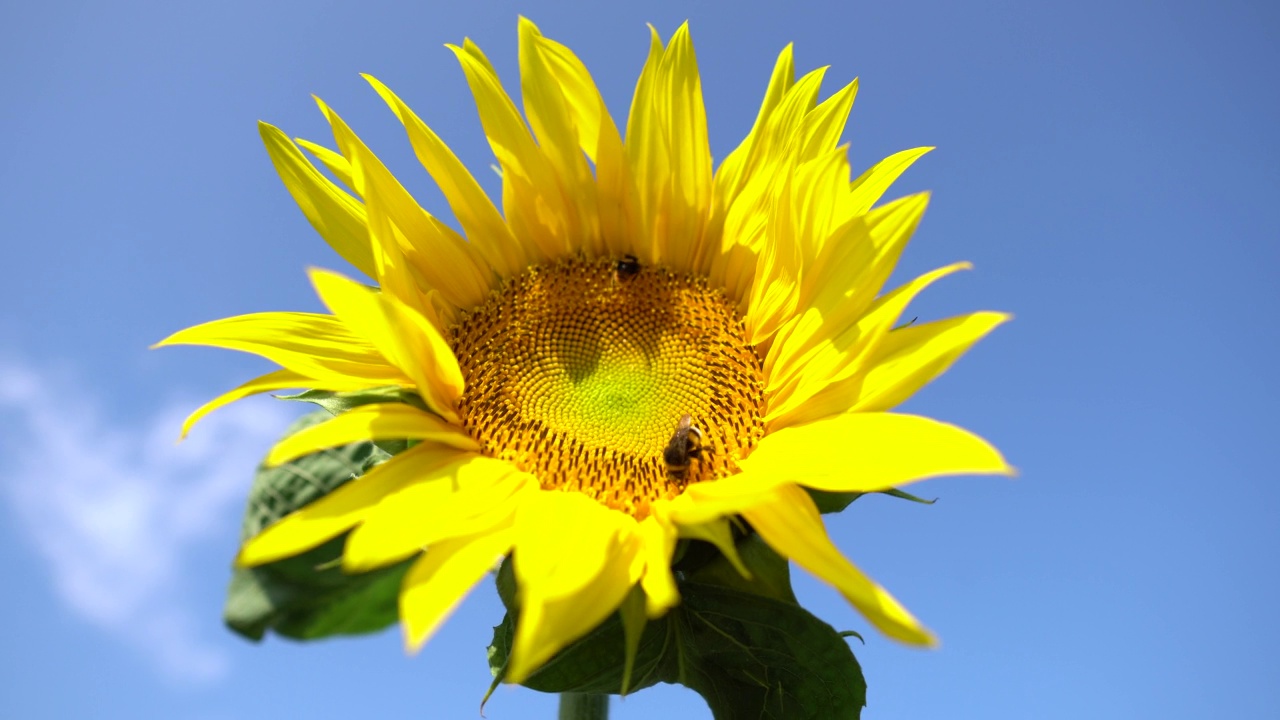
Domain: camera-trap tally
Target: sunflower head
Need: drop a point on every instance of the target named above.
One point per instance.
(636, 348)
(581, 370)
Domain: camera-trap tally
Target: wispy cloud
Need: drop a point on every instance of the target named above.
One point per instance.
(116, 509)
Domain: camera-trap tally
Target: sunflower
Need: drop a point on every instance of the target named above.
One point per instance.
(635, 349)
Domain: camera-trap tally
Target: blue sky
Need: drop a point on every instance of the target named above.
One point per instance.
(1110, 168)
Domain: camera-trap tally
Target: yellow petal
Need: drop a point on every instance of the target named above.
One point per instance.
(532, 194)
(590, 118)
(548, 621)
(548, 111)
(841, 283)
(564, 540)
(703, 503)
(646, 152)
(658, 543)
(338, 217)
(338, 511)
(392, 269)
(278, 380)
(439, 580)
(474, 51)
(401, 334)
(377, 421)
(729, 176)
(775, 290)
(313, 345)
(787, 122)
(480, 220)
(838, 352)
(682, 120)
(856, 277)
(462, 498)
(816, 184)
(438, 255)
(334, 161)
(910, 357)
(822, 127)
(766, 170)
(618, 199)
(792, 526)
(717, 533)
(868, 452)
(774, 144)
(872, 184)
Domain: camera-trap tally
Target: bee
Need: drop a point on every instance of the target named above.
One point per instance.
(685, 444)
(628, 267)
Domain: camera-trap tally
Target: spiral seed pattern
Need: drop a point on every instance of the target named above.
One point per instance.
(578, 372)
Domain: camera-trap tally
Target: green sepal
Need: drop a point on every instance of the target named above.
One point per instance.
(632, 614)
(853, 633)
(308, 596)
(833, 502)
(904, 495)
(505, 579)
(722, 535)
(770, 574)
(339, 402)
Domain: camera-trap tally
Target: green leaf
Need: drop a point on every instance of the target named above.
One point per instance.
(748, 656)
(593, 664)
(308, 596)
(755, 657)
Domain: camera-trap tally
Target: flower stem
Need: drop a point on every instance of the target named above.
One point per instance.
(584, 706)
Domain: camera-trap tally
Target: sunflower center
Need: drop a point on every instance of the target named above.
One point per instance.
(582, 372)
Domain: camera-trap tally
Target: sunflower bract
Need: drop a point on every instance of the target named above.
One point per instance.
(559, 339)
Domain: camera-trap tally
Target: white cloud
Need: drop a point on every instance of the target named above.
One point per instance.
(116, 510)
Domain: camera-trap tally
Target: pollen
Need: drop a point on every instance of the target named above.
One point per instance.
(579, 372)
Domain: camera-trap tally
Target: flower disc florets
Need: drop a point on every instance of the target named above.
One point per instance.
(579, 371)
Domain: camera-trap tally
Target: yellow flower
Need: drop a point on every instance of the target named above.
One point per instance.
(634, 350)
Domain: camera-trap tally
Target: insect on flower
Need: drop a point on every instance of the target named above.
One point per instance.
(685, 445)
(628, 267)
